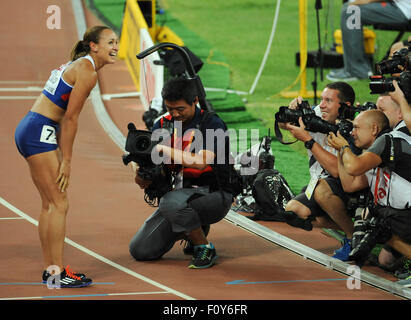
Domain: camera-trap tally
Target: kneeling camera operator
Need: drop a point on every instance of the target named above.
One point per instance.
(196, 178)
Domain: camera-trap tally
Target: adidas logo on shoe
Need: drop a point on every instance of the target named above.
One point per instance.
(66, 279)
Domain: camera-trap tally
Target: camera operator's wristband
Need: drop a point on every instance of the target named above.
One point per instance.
(343, 148)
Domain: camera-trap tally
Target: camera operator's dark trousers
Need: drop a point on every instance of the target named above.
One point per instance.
(179, 212)
(355, 59)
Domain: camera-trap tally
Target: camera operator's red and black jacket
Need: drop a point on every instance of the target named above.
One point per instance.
(201, 121)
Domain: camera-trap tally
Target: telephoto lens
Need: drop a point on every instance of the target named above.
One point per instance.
(377, 232)
(359, 227)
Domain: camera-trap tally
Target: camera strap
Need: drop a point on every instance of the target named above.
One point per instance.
(279, 135)
(394, 149)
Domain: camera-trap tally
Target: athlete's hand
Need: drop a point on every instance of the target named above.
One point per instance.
(64, 176)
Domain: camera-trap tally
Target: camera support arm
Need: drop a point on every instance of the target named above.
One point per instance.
(189, 69)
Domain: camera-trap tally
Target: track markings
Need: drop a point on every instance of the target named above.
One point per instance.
(87, 295)
(18, 97)
(19, 89)
(42, 284)
(21, 82)
(26, 89)
(99, 257)
(283, 281)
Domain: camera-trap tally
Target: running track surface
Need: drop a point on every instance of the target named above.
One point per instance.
(106, 207)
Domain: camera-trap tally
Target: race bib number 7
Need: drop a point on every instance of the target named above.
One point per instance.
(48, 135)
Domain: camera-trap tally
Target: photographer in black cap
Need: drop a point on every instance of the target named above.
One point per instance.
(201, 194)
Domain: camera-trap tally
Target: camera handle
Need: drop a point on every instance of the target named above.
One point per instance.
(204, 104)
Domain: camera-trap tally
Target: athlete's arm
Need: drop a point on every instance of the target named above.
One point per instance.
(85, 80)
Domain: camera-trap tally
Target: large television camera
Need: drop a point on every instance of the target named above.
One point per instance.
(380, 84)
(140, 145)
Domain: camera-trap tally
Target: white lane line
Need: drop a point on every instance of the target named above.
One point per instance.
(20, 82)
(109, 96)
(26, 89)
(87, 295)
(99, 257)
(18, 97)
(12, 218)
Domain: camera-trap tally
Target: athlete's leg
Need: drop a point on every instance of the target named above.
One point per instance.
(43, 226)
(52, 225)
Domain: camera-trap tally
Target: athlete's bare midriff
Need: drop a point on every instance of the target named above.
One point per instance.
(45, 107)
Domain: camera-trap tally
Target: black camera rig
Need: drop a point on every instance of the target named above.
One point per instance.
(380, 84)
(350, 112)
(311, 121)
(374, 230)
(140, 145)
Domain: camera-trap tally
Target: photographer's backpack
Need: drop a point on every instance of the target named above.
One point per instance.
(271, 194)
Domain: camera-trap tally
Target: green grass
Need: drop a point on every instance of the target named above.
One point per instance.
(230, 37)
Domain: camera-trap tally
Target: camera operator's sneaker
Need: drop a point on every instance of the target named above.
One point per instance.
(204, 256)
(406, 282)
(344, 252)
(68, 279)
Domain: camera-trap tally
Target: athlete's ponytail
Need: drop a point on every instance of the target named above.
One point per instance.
(82, 47)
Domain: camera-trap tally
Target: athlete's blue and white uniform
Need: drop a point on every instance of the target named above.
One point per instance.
(36, 133)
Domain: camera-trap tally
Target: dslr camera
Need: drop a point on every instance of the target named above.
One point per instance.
(139, 145)
(350, 112)
(311, 121)
(381, 84)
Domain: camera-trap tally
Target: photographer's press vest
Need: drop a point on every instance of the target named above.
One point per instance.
(388, 186)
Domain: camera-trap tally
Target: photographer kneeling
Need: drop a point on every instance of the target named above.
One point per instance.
(385, 166)
(201, 195)
(322, 203)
